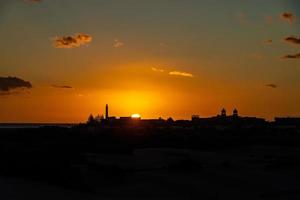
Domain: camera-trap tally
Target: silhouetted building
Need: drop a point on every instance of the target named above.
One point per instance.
(235, 113)
(195, 117)
(112, 118)
(170, 120)
(99, 118)
(91, 120)
(125, 119)
(223, 113)
(221, 120)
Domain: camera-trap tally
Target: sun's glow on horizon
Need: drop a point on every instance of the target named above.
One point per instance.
(135, 116)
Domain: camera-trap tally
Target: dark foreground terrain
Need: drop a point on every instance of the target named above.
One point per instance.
(150, 163)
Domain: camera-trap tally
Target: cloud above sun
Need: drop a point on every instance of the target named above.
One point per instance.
(288, 17)
(272, 85)
(292, 40)
(68, 42)
(173, 73)
(292, 56)
(295, 41)
(8, 84)
(157, 69)
(118, 43)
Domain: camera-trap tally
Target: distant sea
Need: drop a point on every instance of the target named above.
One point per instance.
(33, 125)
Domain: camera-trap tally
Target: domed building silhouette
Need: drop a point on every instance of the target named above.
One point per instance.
(235, 113)
(223, 113)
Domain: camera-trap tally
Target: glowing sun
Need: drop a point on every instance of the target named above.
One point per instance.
(135, 116)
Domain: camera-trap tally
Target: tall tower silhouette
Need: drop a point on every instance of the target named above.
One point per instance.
(106, 111)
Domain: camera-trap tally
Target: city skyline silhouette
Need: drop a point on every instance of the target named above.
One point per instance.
(149, 99)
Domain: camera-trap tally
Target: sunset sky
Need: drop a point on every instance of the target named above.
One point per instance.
(158, 58)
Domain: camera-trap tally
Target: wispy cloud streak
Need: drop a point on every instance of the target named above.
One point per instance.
(118, 43)
(179, 73)
(157, 69)
(272, 85)
(292, 56)
(62, 86)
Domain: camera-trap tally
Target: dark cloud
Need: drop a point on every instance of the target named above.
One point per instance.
(11, 83)
(292, 39)
(272, 85)
(74, 41)
(288, 16)
(62, 86)
(292, 56)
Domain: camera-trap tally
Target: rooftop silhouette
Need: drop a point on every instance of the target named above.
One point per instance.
(220, 119)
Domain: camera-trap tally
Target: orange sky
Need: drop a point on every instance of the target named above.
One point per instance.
(158, 59)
